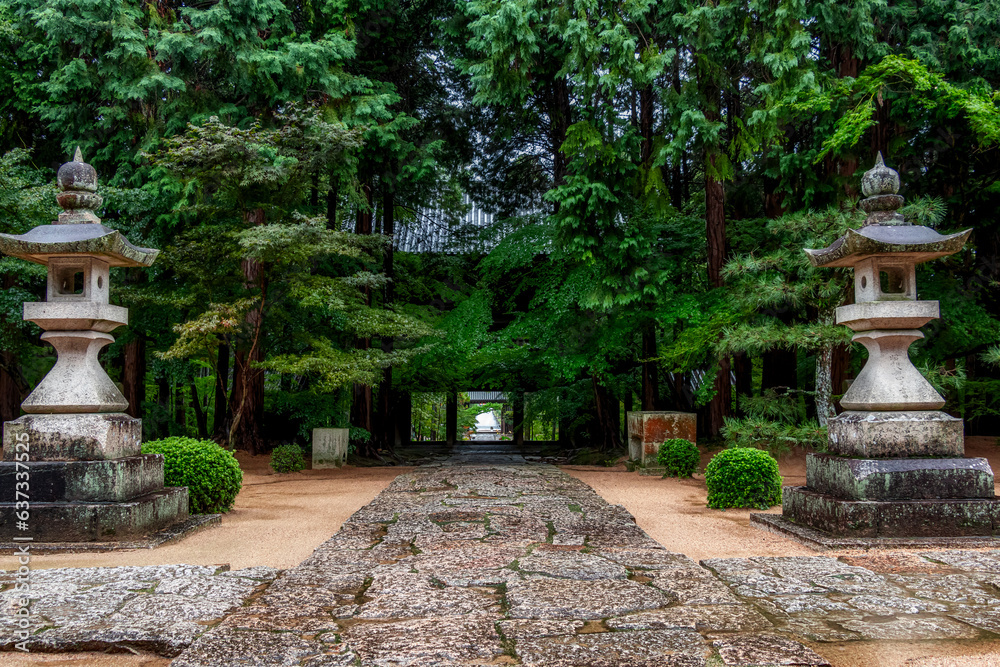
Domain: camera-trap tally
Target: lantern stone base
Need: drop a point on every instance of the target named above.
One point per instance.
(72, 437)
(898, 479)
(116, 480)
(896, 434)
(83, 479)
(893, 518)
(92, 521)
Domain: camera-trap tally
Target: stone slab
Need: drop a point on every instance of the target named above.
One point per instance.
(99, 481)
(172, 533)
(647, 430)
(899, 518)
(72, 437)
(899, 479)
(86, 522)
(329, 447)
(869, 315)
(821, 540)
(75, 315)
(896, 434)
(770, 650)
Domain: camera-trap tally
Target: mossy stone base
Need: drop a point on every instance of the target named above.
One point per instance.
(96, 481)
(72, 437)
(899, 479)
(893, 518)
(92, 521)
(896, 434)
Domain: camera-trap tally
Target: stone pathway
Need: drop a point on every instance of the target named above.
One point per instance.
(501, 564)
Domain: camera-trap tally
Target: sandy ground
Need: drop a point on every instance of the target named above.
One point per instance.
(277, 520)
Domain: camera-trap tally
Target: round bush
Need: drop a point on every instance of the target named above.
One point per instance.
(679, 456)
(743, 477)
(287, 458)
(211, 474)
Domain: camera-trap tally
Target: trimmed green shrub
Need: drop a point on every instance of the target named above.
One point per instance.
(287, 458)
(211, 474)
(679, 456)
(743, 477)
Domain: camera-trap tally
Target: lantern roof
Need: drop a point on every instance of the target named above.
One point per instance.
(885, 231)
(78, 230)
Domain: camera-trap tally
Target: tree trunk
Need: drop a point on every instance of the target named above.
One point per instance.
(646, 125)
(451, 418)
(608, 416)
(626, 408)
(200, 418)
(743, 370)
(715, 220)
(180, 409)
(824, 375)
(361, 408)
(518, 418)
(840, 366)
(134, 374)
(220, 419)
(385, 426)
(650, 371)
(332, 196)
(248, 410)
(11, 387)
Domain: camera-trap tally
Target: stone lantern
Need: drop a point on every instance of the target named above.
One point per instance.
(88, 478)
(894, 467)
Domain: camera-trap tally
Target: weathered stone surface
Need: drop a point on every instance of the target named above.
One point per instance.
(72, 437)
(767, 650)
(978, 561)
(570, 565)
(647, 431)
(557, 598)
(703, 618)
(230, 647)
(158, 608)
(909, 628)
(329, 447)
(899, 479)
(83, 522)
(103, 481)
(532, 629)
(649, 648)
(900, 518)
(889, 381)
(869, 315)
(459, 640)
(692, 586)
(896, 434)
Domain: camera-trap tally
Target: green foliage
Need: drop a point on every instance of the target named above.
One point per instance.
(211, 474)
(287, 458)
(775, 423)
(743, 477)
(679, 456)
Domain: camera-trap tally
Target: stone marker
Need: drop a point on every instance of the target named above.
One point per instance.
(329, 448)
(877, 480)
(648, 430)
(88, 479)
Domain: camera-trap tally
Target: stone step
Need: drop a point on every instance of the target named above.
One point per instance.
(894, 518)
(96, 481)
(898, 479)
(896, 434)
(72, 437)
(90, 521)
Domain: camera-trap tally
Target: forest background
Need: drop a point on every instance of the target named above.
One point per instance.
(653, 169)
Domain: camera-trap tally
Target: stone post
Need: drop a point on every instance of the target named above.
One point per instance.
(82, 454)
(878, 479)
